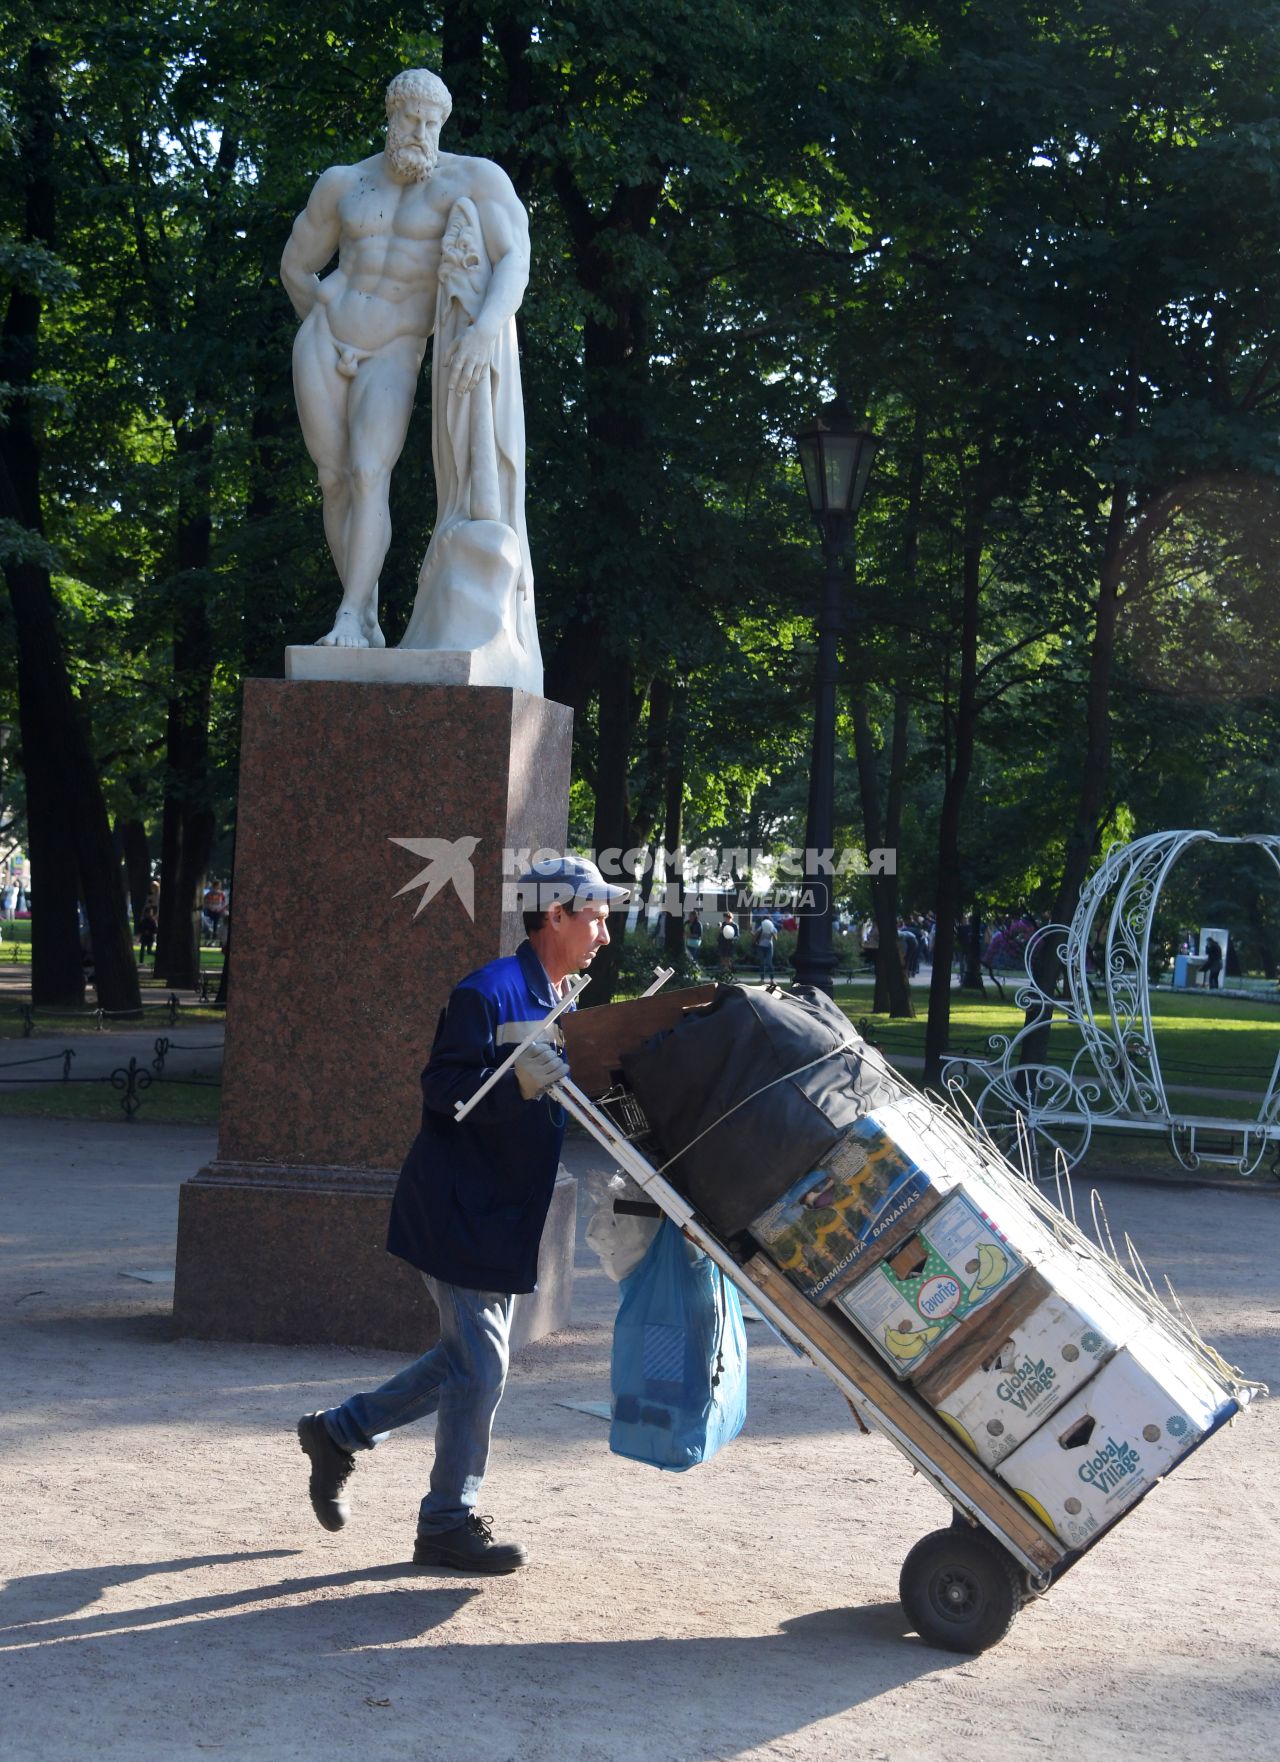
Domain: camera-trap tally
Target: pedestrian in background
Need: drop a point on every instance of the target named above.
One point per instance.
(766, 938)
(148, 925)
(728, 942)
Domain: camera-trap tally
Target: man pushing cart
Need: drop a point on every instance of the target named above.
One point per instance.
(1039, 1386)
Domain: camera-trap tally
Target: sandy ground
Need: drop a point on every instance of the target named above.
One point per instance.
(168, 1594)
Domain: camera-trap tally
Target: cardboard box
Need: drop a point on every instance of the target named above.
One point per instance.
(996, 1381)
(953, 1264)
(870, 1192)
(1113, 1440)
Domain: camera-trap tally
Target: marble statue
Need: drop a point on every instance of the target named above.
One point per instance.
(429, 244)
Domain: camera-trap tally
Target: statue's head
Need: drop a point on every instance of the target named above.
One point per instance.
(418, 105)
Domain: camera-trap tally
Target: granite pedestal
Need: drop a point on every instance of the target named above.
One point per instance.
(341, 965)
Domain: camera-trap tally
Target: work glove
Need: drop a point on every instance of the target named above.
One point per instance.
(537, 1068)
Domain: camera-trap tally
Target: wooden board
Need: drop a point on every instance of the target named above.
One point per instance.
(978, 1338)
(837, 1338)
(596, 1039)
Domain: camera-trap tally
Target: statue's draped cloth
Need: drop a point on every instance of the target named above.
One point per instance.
(475, 587)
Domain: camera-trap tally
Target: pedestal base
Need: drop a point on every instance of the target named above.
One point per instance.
(373, 820)
(296, 1257)
(384, 666)
(370, 841)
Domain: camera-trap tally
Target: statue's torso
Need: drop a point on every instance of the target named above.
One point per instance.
(389, 252)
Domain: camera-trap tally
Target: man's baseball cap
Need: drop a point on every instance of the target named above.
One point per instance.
(566, 880)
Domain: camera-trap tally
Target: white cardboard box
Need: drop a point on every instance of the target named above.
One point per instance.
(1024, 1357)
(1114, 1439)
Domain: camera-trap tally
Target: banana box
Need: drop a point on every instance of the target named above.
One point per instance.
(1113, 1440)
(870, 1191)
(953, 1264)
(1042, 1340)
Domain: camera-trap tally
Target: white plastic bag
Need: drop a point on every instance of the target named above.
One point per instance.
(619, 1239)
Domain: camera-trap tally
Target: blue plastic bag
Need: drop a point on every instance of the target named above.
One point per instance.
(679, 1367)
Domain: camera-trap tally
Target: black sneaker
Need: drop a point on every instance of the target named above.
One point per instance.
(470, 1548)
(330, 1470)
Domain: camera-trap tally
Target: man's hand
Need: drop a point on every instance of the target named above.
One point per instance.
(537, 1068)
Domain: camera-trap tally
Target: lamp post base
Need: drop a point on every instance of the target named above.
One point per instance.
(816, 969)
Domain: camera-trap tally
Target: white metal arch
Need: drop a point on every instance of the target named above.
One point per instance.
(1115, 1078)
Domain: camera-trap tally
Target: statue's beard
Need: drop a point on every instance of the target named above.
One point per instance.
(409, 164)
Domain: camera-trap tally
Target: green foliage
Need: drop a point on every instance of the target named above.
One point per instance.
(1036, 247)
(638, 957)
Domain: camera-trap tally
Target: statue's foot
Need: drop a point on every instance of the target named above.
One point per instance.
(347, 632)
(373, 631)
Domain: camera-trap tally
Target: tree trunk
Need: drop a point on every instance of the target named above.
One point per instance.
(894, 793)
(573, 668)
(1120, 545)
(615, 396)
(57, 966)
(892, 985)
(69, 830)
(647, 808)
(1082, 840)
(673, 834)
(137, 865)
(971, 969)
(188, 833)
(462, 66)
(891, 884)
(263, 633)
(188, 813)
(224, 981)
(170, 851)
(188, 809)
(949, 883)
(612, 826)
(892, 992)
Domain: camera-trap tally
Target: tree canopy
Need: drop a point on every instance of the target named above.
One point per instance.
(1036, 248)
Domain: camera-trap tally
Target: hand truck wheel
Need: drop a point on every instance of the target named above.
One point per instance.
(960, 1589)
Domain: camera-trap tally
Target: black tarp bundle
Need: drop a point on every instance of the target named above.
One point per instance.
(777, 1077)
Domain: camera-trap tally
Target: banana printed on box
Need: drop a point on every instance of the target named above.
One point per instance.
(916, 1295)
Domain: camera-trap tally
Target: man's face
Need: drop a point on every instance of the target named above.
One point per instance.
(581, 933)
(413, 141)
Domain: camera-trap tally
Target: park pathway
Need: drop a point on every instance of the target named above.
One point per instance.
(168, 1595)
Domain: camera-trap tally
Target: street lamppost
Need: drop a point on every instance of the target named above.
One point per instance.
(836, 456)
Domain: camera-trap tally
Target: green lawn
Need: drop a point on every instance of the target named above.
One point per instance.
(1201, 1042)
(165, 1103)
(154, 996)
(15, 954)
(57, 1024)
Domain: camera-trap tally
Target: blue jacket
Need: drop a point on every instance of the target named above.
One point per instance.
(473, 1195)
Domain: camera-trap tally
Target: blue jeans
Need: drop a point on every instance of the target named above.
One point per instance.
(461, 1381)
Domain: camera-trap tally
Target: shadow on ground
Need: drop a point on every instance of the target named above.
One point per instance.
(352, 1644)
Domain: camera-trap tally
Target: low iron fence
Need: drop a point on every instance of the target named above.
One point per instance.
(132, 1080)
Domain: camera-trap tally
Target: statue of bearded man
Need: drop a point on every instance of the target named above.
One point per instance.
(428, 243)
